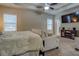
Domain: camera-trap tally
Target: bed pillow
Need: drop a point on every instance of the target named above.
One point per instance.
(37, 31)
(8, 34)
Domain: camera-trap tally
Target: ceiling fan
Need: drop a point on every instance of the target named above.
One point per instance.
(47, 6)
(52, 4)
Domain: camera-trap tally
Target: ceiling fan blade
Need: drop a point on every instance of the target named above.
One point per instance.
(53, 4)
(52, 8)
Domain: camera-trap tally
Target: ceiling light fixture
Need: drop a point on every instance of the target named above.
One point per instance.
(46, 7)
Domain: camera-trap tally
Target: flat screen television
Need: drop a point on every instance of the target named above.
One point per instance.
(70, 18)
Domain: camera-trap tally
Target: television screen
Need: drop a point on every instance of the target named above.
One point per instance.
(66, 19)
(70, 18)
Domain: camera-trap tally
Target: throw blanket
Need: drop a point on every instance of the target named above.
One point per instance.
(19, 42)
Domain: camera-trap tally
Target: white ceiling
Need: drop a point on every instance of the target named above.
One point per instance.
(60, 7)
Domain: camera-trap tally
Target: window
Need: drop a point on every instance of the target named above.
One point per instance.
(10, 22)
(49, 24)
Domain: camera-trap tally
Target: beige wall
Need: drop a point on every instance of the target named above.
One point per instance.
(26, 19)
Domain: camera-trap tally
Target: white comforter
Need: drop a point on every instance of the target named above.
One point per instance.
(19, 42)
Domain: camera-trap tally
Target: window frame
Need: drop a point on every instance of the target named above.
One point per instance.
(51, 24)
(6, 22)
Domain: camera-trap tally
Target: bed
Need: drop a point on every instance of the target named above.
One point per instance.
(24, 43)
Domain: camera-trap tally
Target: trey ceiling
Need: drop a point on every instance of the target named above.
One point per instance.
(55, 8)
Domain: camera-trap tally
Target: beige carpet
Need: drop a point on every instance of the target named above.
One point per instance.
(66, 48)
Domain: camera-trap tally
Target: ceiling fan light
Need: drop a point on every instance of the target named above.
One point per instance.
(46, 7)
